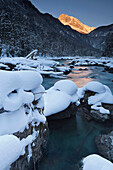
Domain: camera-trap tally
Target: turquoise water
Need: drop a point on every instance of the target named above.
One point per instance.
(72, 139)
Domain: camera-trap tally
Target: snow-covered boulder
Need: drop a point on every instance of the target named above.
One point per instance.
(21, 115)
(60, 96)
(66, 86)
(104, 143)
(13, 86)
(95, 95)
(96, 162)
(10, 150)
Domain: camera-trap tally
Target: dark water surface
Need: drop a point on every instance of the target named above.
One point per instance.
(72, 139)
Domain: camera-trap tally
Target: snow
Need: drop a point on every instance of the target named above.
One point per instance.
(29, 79)
(11, 122)
(66, 86)
(18, 89)
(60, 96)
(34, 52)
(51, 73)
(55, 101)
(14, 101)
(85, 61)
(17, 81)
(95, 87)
(10, 150)
(103, 95)
(38, 117)
(38, 92)
(96, 162)
(65, 92)
(63, 69)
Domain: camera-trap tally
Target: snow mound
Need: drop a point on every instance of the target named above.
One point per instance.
(96, 162)
(29, 79)
(103, 95)
(95, 87)
(18, 88)
(55, 101)
(21, 104)
(67, 86)
(10, 150)
(12, 86)
(60, 96)
(11, 122)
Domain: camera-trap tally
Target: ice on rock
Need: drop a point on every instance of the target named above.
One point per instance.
(96, 162)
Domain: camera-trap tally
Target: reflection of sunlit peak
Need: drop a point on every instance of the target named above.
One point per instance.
(75, 24)
(80, 78)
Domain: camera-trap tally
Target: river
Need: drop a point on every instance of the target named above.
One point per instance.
(72, 139)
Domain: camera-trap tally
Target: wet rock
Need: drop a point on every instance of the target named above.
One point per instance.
(96, 115)
(105, 145)
(71, 66)
(67, 113)
(110, 70)
(110, 108)
(11, 66)
(67, 72)
(85, 110)
(72, 63)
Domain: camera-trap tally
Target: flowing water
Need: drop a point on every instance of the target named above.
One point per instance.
(72, 139)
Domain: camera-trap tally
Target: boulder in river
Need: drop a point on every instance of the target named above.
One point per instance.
(105, 145)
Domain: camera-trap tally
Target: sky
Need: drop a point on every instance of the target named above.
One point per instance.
(90, 12)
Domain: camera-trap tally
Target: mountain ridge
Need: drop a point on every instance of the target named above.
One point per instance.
(24, 28)
(75, 24)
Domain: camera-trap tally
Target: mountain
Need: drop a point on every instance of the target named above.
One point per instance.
(24, 28)
(102, 39)
(75, 24)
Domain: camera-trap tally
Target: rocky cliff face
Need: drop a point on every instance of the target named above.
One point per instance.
(24, 28)
(75, 24)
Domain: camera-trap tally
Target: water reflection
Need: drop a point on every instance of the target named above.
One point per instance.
(80, 76)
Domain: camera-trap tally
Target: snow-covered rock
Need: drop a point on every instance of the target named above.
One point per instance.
(10, 150)
(96, 162)
(66, 86)
(102, 95)
(60, 96)
(104, 143)
(21, 109)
